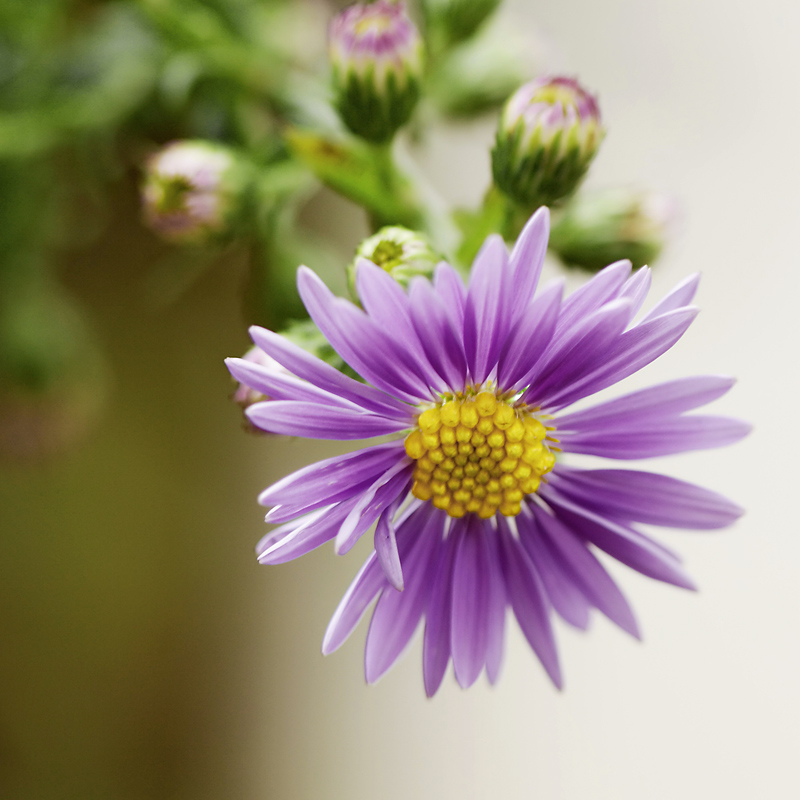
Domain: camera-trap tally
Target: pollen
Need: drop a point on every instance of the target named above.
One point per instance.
(478, 452)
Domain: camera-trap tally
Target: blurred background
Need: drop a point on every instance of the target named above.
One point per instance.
(145, 653)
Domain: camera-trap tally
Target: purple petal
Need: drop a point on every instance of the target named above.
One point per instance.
(519, 359)
(623, 543)
(665, 399)
(585, 571)
(363, 590)
(578, 351)
(443, 346)
(387, 303)
(592, 295)
(359, 340)
(486, 315)
(436, 643)
(386, 546)
(451, 290)
(315, 421)
(279, 386)
(469, 637)
(633, 350)
(665, 437)
(567, 599)
(324, 477)
(646, 497)
(326, 377)
(397, 614)
(680, 296)
(375, 500)
(636, 288)
(529, 601)
(496, 610)
(302, 536)
(527, 259)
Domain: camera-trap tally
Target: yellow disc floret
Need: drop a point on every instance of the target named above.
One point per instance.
(478, 453)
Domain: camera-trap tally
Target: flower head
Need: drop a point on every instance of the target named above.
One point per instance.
(403, 253)
(376, 56)
(190, 191)
(549, 132)
(473, 508)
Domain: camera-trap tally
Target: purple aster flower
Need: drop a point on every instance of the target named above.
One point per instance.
(473, 512)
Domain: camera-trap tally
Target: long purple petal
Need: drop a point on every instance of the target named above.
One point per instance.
(530, 337)
(647, 497)
(451, 289)
(665, 437)
(585, 571)
(436, 643)
(384, 364)
(469, 637)
(486, 315)
(567, 599)
(626, 545)
(680, 296)
(496, 610)
(387, 303)
(662, 400)
(529, 601)
(325, 476)
(633, 350)
(527, 259)
(397, 614)
(386, 546)
(315, 421)
(326, 377)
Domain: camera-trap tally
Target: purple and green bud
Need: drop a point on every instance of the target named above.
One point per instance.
(403, 253)
(376, 56)
(549, 132)
(193, 192)
(599, 228)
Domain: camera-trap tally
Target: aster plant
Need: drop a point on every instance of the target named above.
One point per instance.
(473, 507)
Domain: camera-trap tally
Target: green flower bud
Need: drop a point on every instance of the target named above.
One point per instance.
(549, 132)
(599, 228)
(193, 192)
(376, 55)
(453, 21)
(404, 254)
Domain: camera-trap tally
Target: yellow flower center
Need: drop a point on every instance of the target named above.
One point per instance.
(478, 453)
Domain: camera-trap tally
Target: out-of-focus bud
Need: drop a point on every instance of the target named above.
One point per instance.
(193, 192)
(453, 21)
(549, 132)
(599, 228)
(376, 55)
(404, 254)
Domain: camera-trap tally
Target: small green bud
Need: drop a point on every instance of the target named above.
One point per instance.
(193, 192)
(599, 228)
(453, 21)
(404, 254)
(549, 132)
(376, 56)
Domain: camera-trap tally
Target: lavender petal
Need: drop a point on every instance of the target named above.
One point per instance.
(527, 259)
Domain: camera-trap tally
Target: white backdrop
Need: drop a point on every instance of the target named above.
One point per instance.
(700, 99)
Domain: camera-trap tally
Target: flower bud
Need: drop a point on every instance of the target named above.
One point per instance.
(193, 192)
(376, 55)
(404, 254)
(549, 132)
(599, 228)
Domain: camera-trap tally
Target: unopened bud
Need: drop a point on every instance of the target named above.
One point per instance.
(404, 254)
(549, 132)
(376, 55)
(599, 228)
(193, 192)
